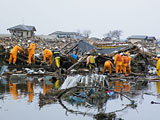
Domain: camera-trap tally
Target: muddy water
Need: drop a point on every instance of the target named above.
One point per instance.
(21, 102)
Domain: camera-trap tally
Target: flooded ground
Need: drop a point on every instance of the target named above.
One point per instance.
(21, 102)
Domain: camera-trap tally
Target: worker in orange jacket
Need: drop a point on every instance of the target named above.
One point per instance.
(47, 54)
(31, 51)
(118, 62)
(108, 64)
(129, 65)
(13, 54)
(125, 62)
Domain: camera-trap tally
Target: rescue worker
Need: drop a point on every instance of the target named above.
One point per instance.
(47, 54)
(56, 54)
(31, 51)
(129, 65)
(99, 59)
(90, 61)
(118, 62)
(125, 62)
(13, 54)
(158, 65)
(108, 64)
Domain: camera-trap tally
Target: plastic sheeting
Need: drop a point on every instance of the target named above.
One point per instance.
(3, 69)
(71, 81)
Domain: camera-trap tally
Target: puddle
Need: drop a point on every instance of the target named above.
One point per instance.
(21, 101)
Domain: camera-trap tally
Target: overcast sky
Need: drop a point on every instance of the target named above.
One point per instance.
(133, 17)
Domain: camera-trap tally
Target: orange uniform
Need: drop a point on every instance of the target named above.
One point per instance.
(47, 54)
(129, 66)
(31, 51)
(118, 63)
(13, 54)
(108, 64)
(125, 63)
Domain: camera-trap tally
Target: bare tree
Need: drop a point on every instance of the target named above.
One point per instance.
(79, 32)
(115, 34)
(86, 33)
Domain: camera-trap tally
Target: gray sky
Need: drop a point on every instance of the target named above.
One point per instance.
(133, 17)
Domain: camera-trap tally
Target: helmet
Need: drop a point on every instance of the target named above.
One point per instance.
(115, 51)
(44, 48)
(56, 47)
(88, 53)
(121, 53)
(99, 53)
(158, 55)
(29, 41)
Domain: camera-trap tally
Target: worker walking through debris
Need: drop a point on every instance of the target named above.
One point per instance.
(31, 51)
(118, 62)
(13, 54)
(125, 62)
(129, 65)
(108, 65)
(158, 65)
(90, 61)
(47, 54)
(56, 54)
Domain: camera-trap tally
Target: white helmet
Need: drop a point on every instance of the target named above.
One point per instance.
(99, 53)
(56, 47)
(29, 41)
(121, 53)
(88, 53)
(158, 55)
(115, 51)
